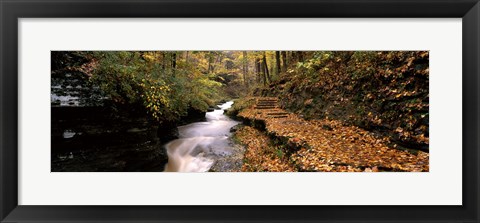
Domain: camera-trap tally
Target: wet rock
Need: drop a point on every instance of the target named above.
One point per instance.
(90, 134)
(231, 162)
(73, 88)
(236, 128)
(193, 115)
(167, 131)
(99, 141)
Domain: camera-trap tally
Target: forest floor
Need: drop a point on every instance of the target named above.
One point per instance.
(283, 141)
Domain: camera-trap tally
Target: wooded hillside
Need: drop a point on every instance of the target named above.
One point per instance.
(385, 92)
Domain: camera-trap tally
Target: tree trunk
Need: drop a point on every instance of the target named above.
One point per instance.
(277, 60)
(284, 58)
(258, 69)
(265, 66)
(217, 60)
(300, 56)
(174, 60)
(246, 64)
(210, 60)
(164, 60)
(245, 67)
(263, 75)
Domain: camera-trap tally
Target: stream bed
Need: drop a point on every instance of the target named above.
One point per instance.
(205, 146)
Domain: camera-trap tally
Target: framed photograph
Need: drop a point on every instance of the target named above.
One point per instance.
(228, 111)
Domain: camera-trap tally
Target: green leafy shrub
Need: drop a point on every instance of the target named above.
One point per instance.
(138, 78)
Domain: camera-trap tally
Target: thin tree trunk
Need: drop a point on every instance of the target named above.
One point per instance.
(258, 69)
(245, 68)
(284, 58)
(219, 58)
(210, 60)
(300, 56)
(267, 74)
(277, 60)
(246, 62)
(263, 74)
(174, 60)
(164, 60)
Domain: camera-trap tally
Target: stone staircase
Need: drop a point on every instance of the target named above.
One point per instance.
(266, 103)
(270, 104)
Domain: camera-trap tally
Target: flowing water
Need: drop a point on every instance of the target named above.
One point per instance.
(200, 144)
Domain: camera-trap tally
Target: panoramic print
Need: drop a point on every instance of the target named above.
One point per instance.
(239, 111)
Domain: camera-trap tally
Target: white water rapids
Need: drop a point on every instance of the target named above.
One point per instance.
(200, 143)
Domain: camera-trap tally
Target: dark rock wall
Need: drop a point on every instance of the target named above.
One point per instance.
(88, 133)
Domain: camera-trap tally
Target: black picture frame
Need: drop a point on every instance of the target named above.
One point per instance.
(11, 11)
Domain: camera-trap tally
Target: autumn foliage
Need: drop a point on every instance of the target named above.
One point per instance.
(341, 111)
(384, 92)
(318, 145)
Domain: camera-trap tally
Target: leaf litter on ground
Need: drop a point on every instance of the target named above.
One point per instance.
(319, 145)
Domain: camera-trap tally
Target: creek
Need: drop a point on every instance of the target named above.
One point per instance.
(202, 146)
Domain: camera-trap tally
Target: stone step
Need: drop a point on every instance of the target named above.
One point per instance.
(279, 116)
(277, 113)
(266, 104)
(265, 107)
(262, 106)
